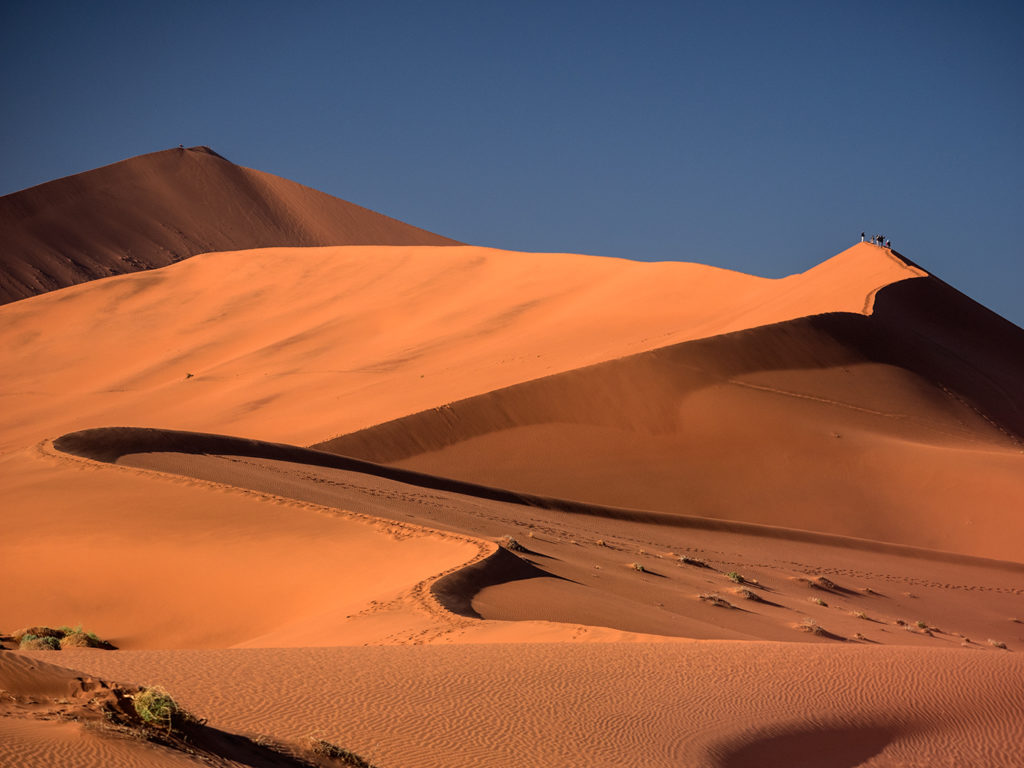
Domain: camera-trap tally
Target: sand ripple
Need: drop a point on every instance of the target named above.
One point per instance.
(709, 703)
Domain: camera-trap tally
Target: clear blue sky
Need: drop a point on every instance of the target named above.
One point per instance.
(758, 136)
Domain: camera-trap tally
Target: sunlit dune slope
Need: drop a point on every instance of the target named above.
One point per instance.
(300, 344)
(573, 563)
(905, 425)
(154, 563)
(156, 209)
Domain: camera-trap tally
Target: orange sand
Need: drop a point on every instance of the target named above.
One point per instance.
(627, 413)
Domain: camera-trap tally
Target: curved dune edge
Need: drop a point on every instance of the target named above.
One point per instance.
(920, 404)
(575, 569)
(107, 444)
(425, 612)
(251, 342)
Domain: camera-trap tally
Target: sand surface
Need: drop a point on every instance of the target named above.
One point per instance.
(600, 512)
(302, 344)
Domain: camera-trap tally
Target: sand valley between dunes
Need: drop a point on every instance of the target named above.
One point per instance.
(453, 506)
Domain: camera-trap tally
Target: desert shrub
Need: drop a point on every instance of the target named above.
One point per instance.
(859, 614)
(715, 600)
(818, 601)
(811, 626)
(749, 594)
(61, 637)
(638, 567)
(512, 545)
(33, 643)
(997, 644)
(84, 640)
(696, 561)
(38, 632)
(155, 706)
(733, 576)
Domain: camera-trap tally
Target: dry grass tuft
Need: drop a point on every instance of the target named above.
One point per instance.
(810, 626)
(511, 544)
(84, 640)
(748, 594)
(51, 639)
(694, 561)
(157, 707)
(715, 600)
(37, 632)
(322, 748)
(33, 643)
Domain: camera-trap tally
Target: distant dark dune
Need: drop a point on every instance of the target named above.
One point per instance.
(156, 209)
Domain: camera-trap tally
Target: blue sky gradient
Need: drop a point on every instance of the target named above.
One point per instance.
(755, 136)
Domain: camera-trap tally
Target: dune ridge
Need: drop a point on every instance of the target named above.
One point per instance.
(251, 342)
(157, 209)
(722, 427)
(147, 447)
(646, 553)
(570, 563)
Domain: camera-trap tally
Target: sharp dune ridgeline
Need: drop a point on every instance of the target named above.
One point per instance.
(336, 488)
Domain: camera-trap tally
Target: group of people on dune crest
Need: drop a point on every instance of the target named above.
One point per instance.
(878, 240)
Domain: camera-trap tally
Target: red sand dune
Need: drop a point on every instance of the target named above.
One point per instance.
(299, 344)
(889, 426)
(156, 209)
(629, 414)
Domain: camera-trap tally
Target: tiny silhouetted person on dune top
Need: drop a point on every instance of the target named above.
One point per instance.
(862, 237)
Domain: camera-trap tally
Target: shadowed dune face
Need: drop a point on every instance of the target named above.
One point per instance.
(802, 747)
(298, 344)
(156, 209)
(576, 564)
(888, 427)
(157, 564)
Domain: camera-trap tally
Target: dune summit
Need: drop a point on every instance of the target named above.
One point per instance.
(156, 209)
(459, 506)
(886, 425)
